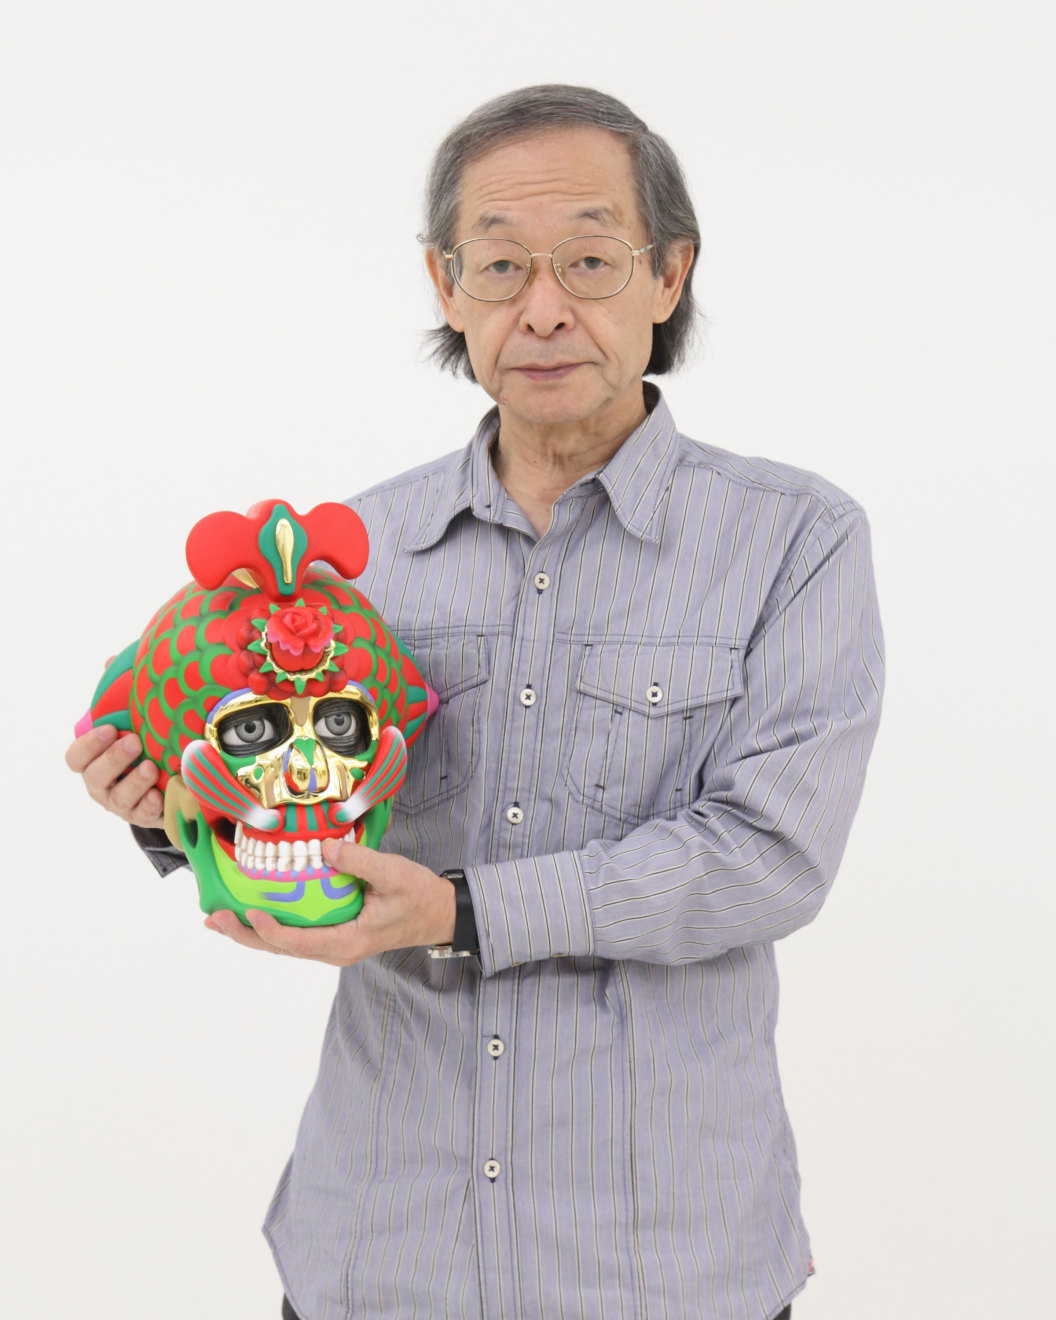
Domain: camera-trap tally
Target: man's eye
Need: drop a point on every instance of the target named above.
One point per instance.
(501, 268)
(592, 264)
(342, 726)
(254, 731)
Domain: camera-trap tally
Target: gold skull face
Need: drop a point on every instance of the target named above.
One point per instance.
(300, 750)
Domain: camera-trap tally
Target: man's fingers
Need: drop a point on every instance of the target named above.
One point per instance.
(103, 771)
(124, 788)
(104, 759)
(330, 944)
(354, 859)
(278, 938)
(226, 923)
(150, 813)
(128, 792)
(84, 750)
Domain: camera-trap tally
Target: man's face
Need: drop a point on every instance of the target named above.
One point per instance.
(546, 357)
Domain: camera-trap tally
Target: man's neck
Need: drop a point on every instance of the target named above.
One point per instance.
(537, 464)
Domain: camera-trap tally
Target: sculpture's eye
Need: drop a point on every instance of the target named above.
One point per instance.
(342, 725)
(250, 732)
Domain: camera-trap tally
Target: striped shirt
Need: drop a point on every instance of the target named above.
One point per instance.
(652, 736)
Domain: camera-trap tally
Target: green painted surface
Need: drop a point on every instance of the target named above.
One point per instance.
(223, 887)
(120, 720)
(270, 551)
(114, 669)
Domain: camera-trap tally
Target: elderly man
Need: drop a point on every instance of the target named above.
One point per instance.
(548, 1085)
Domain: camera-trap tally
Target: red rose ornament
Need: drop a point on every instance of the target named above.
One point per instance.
(298, 635)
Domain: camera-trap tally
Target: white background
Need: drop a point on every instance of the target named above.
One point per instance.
(212, 293)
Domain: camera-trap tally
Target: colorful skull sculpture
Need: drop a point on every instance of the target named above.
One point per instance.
(277, 706)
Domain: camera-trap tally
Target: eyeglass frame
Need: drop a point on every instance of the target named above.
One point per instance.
(449, 257)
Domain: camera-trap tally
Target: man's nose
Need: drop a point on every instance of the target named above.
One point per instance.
(547, 304)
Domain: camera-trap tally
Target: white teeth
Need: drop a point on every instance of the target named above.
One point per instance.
(240, 835)
(287, 855)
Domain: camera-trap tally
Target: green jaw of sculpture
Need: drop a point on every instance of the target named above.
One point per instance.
(324, 899)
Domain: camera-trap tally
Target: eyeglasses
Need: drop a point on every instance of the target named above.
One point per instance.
(588, 266)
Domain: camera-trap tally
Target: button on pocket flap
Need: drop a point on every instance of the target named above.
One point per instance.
(657, 679)
(449, 661)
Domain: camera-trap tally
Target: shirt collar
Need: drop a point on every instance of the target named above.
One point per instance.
(638, 475)
(635, 479)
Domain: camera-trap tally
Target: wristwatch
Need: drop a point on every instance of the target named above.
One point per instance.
(465, 943)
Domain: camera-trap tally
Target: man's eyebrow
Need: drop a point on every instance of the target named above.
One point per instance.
(490, 219)
(601, 214)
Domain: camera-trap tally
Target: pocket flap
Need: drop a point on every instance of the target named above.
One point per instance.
(450, 662)
(659, 679)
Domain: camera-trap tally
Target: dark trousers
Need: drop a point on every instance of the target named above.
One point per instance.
(288, 1313)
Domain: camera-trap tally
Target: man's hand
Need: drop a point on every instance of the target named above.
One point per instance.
(103, 759)
(405, 905)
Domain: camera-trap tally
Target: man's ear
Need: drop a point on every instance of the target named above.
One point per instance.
(445, 288)
(671, 279)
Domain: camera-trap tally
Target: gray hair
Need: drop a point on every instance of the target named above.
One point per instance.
(663, 199)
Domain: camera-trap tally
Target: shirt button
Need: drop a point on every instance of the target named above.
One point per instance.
(492, 1169)
(496, 1047)
(542, 581)
(514, 815)
(527, 697)
(655, 694)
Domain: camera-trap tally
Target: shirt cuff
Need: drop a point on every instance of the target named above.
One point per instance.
(163, 856)
(529, 910)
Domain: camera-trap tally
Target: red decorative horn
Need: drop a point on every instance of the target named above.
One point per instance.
(276, 545)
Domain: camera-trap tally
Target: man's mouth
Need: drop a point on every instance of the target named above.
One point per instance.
(543, 373)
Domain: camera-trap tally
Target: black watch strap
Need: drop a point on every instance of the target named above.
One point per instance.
(465, 943)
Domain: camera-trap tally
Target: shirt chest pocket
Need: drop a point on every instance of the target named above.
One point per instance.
(456, 665)
(646, 717)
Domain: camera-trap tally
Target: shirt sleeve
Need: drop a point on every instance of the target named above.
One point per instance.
(753, 857)
(163, 856)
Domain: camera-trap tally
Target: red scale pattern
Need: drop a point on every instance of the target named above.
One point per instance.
(195, 651)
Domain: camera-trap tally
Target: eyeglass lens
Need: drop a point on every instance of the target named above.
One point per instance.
(493, 269)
